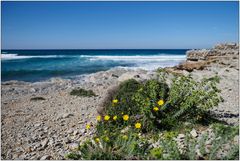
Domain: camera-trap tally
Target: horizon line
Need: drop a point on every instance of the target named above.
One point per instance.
(114, 49)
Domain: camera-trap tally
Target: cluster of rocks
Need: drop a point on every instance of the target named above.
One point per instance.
(218, 50)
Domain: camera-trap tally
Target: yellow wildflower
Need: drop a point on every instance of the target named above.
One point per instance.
(155, 109)
(88, 126)
(106, 139)
(106, 118)
(115, 117)
(160, 102)
(125, 137)
(115, 101)
(125, 117)
(98, 118)
(97, 140)
(122, 113)
(138, 125)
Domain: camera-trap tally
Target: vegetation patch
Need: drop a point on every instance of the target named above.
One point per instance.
(143, 120)
(82, 93)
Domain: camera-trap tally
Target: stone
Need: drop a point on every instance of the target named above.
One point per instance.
(66, 140)
(236, 139)
(194, 133)
(73, 146)
(181, 136)
(67, 115)
(44, 143)
(70, 131)
(82, 131)
(37, 125)
(32, 90)
(46, 157)
(208, 148)
(75, 132)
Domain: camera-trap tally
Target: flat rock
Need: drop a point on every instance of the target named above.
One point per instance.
(194, 133)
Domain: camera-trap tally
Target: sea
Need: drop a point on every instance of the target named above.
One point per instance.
(40, 65)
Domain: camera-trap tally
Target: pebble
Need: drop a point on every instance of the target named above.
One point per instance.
(66, 140)
(44, 143)
(75, 132)
(236, 139)
(37, 125)
(181, 136)
(70, 131)
(67, 115)
(73, 146)
(194, 133)
(45, 157)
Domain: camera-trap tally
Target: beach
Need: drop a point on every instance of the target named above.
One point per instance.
(51, 127)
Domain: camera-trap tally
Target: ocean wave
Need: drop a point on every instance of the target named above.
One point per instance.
(16, 56)
(137, 57)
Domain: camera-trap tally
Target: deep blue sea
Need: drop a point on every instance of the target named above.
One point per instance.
(38, 65)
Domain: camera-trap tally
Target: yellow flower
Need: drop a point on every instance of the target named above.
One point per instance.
(98, 118)
(97, 140)
(88, 126)
(115, 101)
(138, 125)
(106, 139)
(106, 118)
(122, 113)
(125, 137)
(115, 117)
(160, 102)
(125, 117)
(156, 109)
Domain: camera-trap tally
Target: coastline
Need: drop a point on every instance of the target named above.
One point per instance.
(50, 128)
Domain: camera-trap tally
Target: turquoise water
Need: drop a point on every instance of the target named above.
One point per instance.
(38, 65)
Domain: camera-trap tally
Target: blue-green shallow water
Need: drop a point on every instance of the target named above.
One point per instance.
(38, 65)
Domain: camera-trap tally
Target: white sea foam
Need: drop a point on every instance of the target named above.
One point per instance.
(137, 57)
(16, 56)
(149, 62)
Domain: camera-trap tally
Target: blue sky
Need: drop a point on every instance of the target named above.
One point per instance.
(118, 25)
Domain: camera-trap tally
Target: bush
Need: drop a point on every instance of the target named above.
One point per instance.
(137, 112)
(82, 92)
(190, 100)
(120, 148)
(124, 96)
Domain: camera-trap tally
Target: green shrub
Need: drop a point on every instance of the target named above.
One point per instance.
(190, 100)
(118, 149)
(73, 155)
(82, 92)
(153, 107)
(124, 96)
(146, 99)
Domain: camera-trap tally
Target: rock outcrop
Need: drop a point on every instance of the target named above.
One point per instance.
(218, 50)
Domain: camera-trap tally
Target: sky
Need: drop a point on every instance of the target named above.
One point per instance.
(118, 25)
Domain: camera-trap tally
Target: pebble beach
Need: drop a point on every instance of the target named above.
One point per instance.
(51, 127)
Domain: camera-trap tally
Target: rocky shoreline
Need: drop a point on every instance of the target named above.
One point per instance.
(50, 128)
